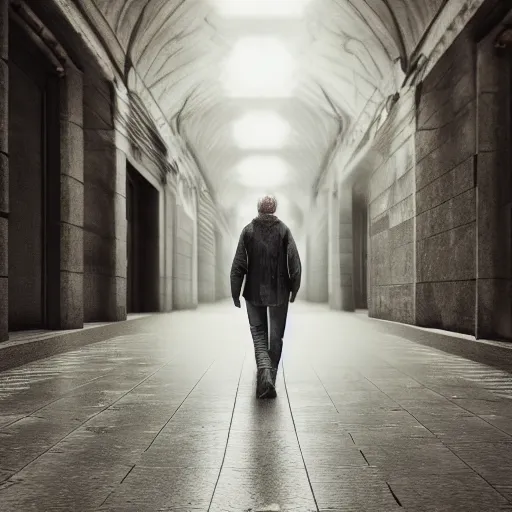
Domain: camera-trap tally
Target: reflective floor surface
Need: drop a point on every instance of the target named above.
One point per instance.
(165, 419)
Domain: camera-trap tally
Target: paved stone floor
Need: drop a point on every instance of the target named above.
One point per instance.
(165, 419)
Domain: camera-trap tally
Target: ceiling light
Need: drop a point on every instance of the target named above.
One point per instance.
(260, 8)
(263, 130)
(259, 67)
(262, 171)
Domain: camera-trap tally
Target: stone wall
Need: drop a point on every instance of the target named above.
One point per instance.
(101, 176)
(316, 269)
(4, 169)
(494, 187)
(391, 209)
(184, 295)
(206, 249)
(445, 192)
(224, 256)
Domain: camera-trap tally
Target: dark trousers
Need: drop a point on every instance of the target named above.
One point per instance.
(268, 339)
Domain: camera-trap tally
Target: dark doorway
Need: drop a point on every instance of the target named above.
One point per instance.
(142, 243)
(33, 133)
(360, 238)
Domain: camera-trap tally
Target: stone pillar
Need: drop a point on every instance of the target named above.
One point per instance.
(317, 251)
(4, 168)
(346, 251)
(206, 249)
(170, 213)
(195, 265)
(71, 275)
(494, 192)
(341, 264)
(118, 299)
(334, 284)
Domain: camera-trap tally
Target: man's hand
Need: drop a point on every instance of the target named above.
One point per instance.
(237, 303)
(292, 297)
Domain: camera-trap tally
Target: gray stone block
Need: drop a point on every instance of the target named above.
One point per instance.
(402, 264)
(4, 107)
(494, 179)
(120, 298)
(346, 280)
(380, 224)
(98, 291)
(121, 173)
(120, 266)
(347, 298)
(453, 71)
(345, 245)
(4, 183)
(457, 147)
(448, 256)
(437, 131)
(345, 230)
(494, 307)
(99, 140)
(100, 168)
(381, 203)
(4, 29)
(395, 303)
(4, 308)
(72, 98)
(402, 234)
(71, 248)
(97, 105)
(402, 211)
(72, 152)
(489, 67)
(446, 305)
(99, 210)
(453, 213)
(494, 258)
(346, 262)
(72, 201)
(4, 247)
(98, 253)
(71, 300)
(404, 186)
(492, 121)
(183, 266)
(449, 185)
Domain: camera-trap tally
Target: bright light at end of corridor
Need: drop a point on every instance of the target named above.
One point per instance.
(262, 171)
(260, 8)
(263, 130)
(259, 67)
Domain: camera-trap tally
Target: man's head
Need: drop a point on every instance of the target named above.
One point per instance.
(267, 205)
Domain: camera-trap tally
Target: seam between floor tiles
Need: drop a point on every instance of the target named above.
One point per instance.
(179, 406)
(441, 395)
(229, 432)
(298, 442)
(439, 439)
(89, 419)
(325, 389)
(53, 401)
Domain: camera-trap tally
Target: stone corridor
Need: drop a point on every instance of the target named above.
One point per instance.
(163, 418)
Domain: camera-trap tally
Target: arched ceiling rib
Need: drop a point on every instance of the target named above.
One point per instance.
(346, 50)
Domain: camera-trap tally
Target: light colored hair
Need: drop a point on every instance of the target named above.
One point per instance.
(267, 204)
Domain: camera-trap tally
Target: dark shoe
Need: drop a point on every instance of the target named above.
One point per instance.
(265, 387)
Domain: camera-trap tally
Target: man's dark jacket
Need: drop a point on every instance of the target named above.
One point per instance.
(267, 256)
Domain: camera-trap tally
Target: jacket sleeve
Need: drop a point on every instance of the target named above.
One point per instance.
(294, 264)
(238, 268)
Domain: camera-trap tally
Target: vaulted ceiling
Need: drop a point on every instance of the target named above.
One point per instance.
(345, 53)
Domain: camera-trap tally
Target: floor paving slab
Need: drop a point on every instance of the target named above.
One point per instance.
(163, 417)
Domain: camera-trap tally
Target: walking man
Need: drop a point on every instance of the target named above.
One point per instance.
(267, 257)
